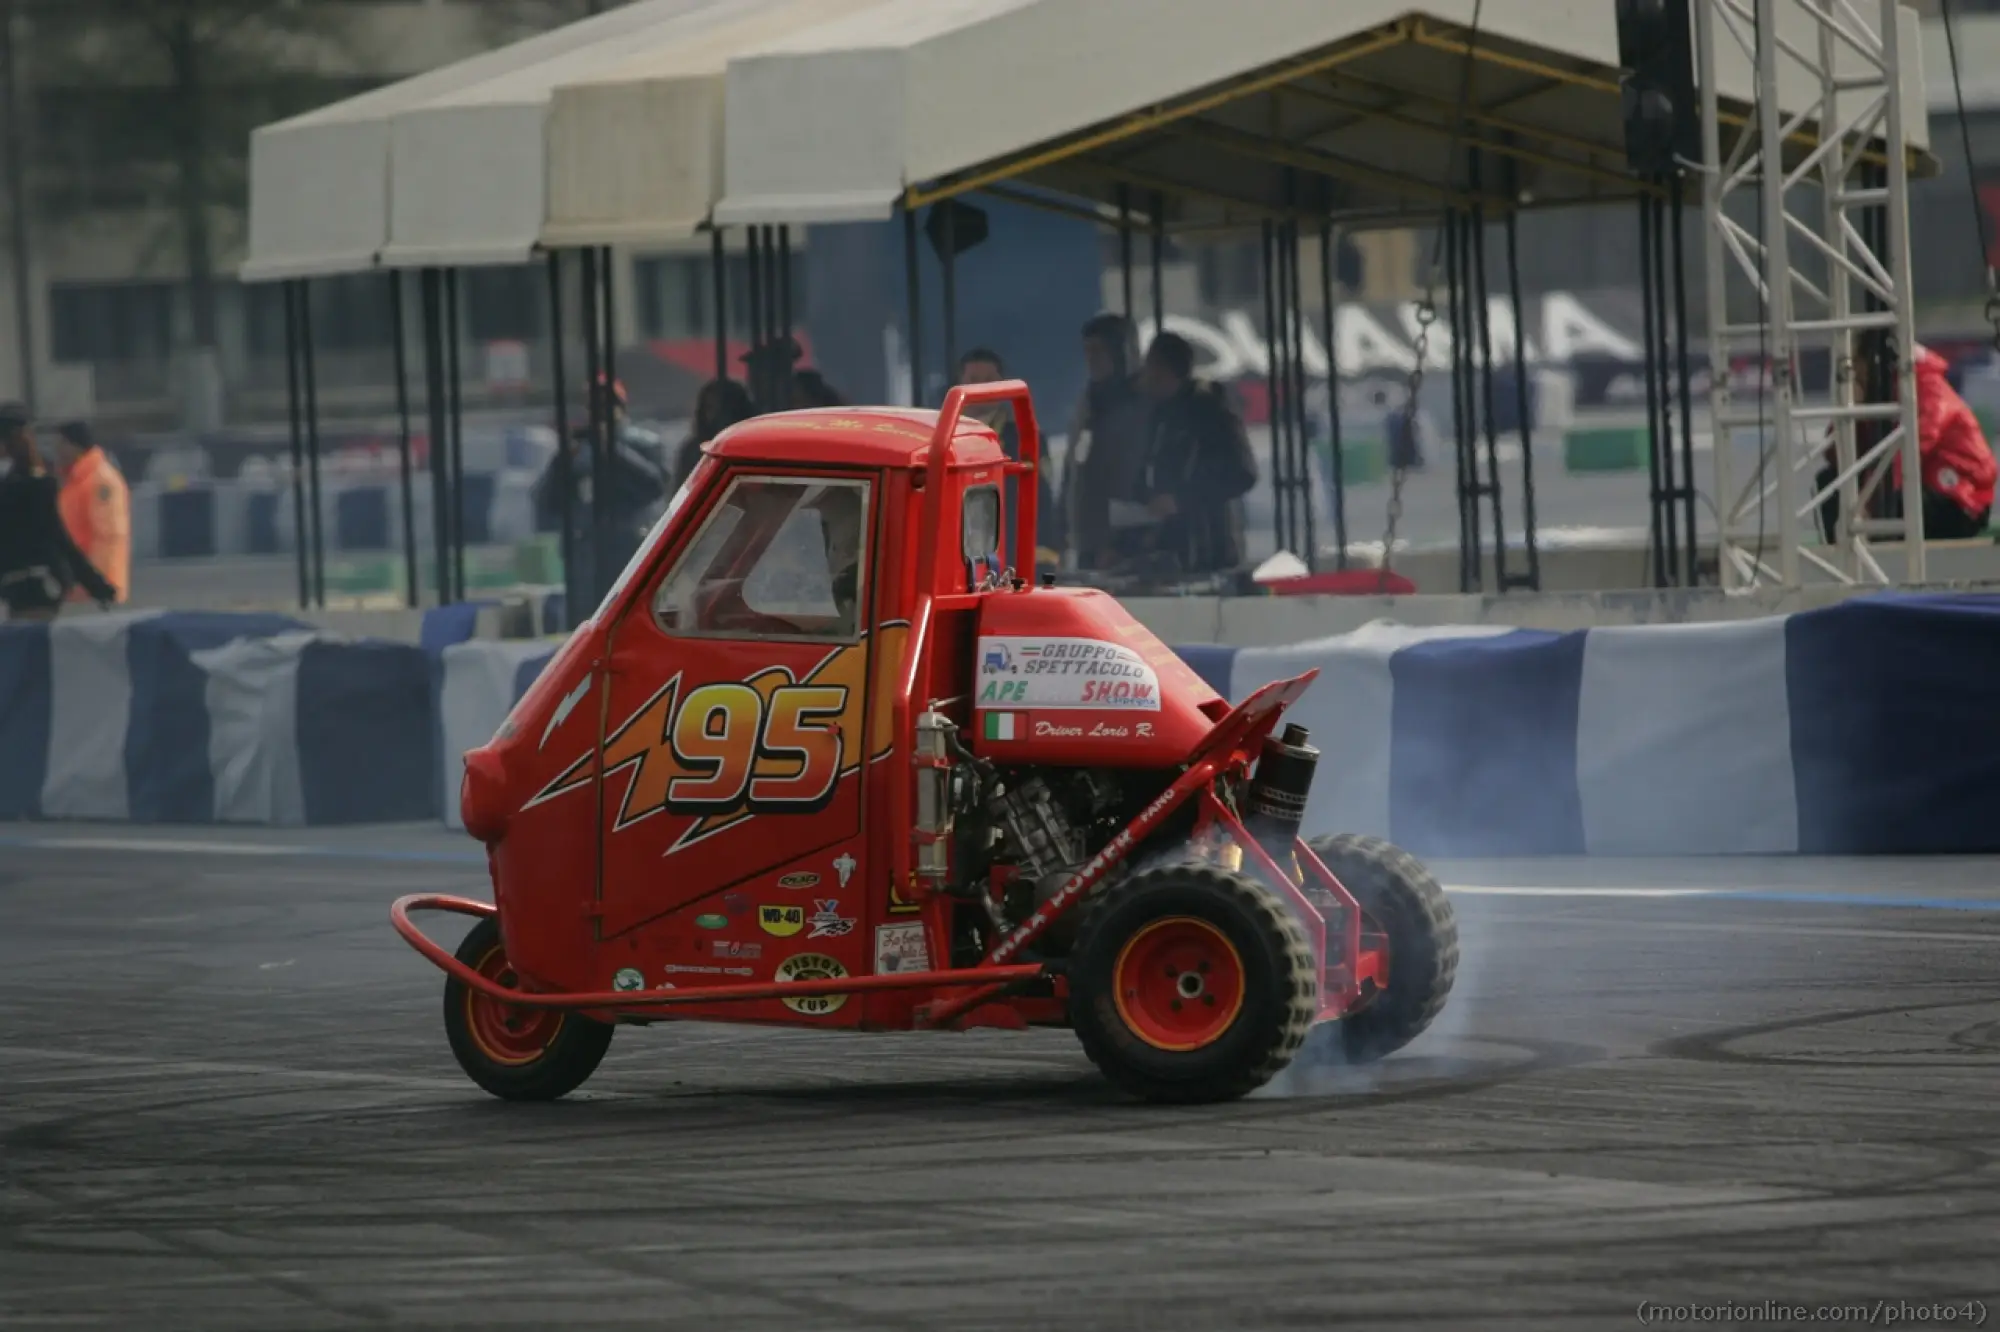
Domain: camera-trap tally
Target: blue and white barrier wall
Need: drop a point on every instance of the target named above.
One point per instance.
(1872, 726)
(165, 717)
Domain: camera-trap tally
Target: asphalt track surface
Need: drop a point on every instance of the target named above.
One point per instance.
(227, 1104)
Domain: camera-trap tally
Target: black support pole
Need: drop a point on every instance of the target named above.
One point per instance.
(315, 504)
(1158, 257)
(1528, 520)
(1125, 254)
(1274, 416)
(757, 373)
(1471, 556)
(294, 403)
(914, 312)
(1669, 484)
(431, 286)
(771, 329)
(602, 446)
(718, 268)
(453, 325)
(1681, 362)
(1302, 439)
(400, 340)
(1656, 530)
(785, 281)
(565, 461)
(591, 581)
(1337, 462)
(1481, 312)
(948, 263)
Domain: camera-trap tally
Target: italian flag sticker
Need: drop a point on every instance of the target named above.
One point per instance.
(999, 726)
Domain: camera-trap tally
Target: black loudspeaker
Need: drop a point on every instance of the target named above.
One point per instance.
(953, 227)
(1662, 117)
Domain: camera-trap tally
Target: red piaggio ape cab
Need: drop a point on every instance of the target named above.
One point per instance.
(822, 759)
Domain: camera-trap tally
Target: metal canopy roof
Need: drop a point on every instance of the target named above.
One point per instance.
(1232, 112)
(319, 183)
(469, 171)
(635, 152)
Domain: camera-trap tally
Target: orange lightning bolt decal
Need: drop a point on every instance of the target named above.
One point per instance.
(682, 740)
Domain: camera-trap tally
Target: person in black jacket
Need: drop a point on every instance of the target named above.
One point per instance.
(721, 404)
(38, 561)
(1198, 462)
(621, 499)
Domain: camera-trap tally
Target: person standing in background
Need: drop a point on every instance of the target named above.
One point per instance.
(1106, 462)
(721, 404)
(1199, 463)
(38, 561)
(96, 507)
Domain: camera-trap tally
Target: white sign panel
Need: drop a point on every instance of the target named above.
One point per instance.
(1049, 673)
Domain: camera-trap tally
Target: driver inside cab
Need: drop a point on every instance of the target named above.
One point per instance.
(839, 513)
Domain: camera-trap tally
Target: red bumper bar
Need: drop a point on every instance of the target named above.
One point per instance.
(399, 916)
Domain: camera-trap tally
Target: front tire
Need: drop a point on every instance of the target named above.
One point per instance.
(1398, 897)
(1190, 984)
(517, 1054)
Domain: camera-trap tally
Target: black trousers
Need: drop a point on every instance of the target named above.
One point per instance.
(1943, 519)
(31, 594)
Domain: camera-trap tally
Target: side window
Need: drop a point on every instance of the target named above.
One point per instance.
(780, 557)
(979, 531)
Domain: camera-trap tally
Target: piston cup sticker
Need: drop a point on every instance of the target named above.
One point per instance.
(1079, 673)
(813, 967)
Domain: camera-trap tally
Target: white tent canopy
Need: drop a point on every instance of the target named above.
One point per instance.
(469, 170)
(319, 183)
(1228, 109)
(635, 152)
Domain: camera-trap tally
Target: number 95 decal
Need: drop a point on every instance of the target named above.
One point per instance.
(722, 752)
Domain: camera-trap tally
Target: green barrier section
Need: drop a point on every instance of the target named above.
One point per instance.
(1605, 449)
(1363, 461)
(487, 569)
(538, 561)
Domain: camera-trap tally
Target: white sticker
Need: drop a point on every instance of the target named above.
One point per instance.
(1081, 673)
(901, 948)
(844, 867)
(628, 978)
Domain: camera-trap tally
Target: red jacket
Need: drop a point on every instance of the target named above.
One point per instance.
(1956, 460)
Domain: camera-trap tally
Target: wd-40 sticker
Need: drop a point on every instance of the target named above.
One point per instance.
(1065, 673)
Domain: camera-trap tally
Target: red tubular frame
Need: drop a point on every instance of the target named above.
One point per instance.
(399, 916)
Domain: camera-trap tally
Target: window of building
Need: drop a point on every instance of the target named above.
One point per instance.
(676, 294)
(349, 313)
(111, 321)
(779, 558)
(504, 304)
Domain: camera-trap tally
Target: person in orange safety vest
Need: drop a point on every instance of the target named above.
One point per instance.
(96, 507)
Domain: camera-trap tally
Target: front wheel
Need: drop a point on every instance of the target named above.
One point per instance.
(1189, 983)
(1399, 898)
(517, 1054)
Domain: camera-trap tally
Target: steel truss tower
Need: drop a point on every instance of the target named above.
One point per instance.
(1814, 180)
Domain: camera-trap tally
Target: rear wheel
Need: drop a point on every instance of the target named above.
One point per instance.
(1189, 983)
(517, 1054)
(1400, 899)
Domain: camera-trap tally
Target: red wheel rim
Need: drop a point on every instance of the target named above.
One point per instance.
(506, 1034)
(1178, 983)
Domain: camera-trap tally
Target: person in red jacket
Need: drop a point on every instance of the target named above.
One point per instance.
(1958, 465)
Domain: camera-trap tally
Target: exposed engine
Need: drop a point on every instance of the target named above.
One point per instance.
(1015, 834)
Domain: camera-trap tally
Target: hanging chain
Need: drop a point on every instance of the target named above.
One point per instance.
(1427, 315)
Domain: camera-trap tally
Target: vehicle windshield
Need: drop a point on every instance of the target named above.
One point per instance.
(780, 557)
